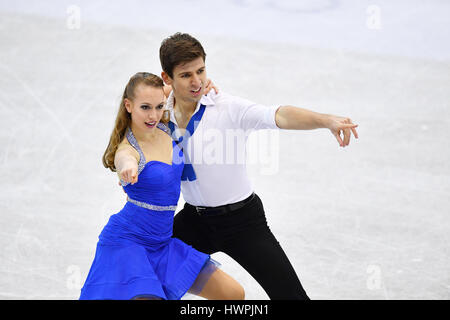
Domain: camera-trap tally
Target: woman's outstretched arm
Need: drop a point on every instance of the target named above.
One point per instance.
(126, 164)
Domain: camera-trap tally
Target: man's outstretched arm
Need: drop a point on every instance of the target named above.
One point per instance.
(294, 118)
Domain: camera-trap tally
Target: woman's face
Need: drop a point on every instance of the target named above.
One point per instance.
(147, 107)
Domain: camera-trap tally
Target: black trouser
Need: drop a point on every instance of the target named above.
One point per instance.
(243, 235)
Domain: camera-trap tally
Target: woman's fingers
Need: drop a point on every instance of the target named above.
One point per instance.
(210, 85)
(129, 176)
(134, 179)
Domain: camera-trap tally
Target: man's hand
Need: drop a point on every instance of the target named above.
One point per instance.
(294, 118)
(338, 125)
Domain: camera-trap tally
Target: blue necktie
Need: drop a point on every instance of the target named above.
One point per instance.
(188, 170)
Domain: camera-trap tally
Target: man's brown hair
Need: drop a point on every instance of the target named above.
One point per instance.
(177, 49)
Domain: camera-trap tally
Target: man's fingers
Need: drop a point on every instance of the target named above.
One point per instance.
(355, 133)
(351, 127)
(338, 138)
(347, 127)
(346, 137)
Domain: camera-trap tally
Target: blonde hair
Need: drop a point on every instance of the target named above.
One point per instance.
(123, 119)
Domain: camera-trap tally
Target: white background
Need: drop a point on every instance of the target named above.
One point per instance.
(366, 222)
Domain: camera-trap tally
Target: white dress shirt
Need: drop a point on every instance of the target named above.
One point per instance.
(217, 149)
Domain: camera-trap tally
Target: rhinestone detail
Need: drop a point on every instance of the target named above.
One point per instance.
(132, 140)
(151, 206)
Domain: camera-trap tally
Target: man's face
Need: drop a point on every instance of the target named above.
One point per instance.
(189, 80)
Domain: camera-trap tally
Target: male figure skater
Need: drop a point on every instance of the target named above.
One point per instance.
(222, 213)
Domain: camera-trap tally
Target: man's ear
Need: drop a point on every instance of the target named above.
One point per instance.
(166, 78)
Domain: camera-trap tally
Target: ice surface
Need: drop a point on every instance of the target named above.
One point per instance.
(370, 221)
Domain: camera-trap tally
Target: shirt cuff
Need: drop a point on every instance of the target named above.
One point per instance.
(270, 117)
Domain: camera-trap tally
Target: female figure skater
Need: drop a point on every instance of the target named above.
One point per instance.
(136, 256)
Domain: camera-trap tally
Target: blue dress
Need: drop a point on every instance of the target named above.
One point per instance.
(136, 255)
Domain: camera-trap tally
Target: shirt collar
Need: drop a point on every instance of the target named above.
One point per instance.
(206, 100)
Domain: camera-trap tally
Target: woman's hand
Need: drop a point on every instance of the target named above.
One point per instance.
(210, 85)
(167, 89)
(129, 174)
(126, 163)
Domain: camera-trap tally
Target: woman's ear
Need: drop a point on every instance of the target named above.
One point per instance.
(127, 104)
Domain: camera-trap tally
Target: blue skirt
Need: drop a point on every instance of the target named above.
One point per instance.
(136, 256)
